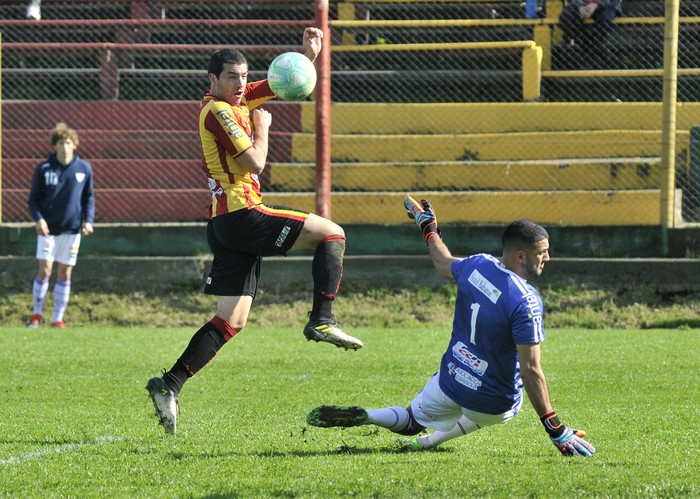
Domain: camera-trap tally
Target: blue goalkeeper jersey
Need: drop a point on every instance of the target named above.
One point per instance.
(495, 311)
(62, 195)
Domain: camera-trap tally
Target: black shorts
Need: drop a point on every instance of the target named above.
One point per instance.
(240, 239)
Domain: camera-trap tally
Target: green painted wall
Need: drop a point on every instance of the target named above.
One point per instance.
(190, 240)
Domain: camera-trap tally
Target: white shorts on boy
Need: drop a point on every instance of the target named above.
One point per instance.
(62, 248)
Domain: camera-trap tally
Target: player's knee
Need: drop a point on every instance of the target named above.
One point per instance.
(237, 325)
(332, 229)
(412, 427)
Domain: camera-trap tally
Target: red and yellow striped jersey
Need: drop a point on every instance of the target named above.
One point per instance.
(225, 132)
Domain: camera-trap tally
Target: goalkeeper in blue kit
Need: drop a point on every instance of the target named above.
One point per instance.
(493, 353)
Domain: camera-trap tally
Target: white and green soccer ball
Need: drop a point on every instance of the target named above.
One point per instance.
(291, 76)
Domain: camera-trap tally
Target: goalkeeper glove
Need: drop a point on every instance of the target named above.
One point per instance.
(423, 215)
(569, 441)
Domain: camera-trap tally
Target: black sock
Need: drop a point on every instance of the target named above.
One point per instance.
(202, 348)
(327, 271)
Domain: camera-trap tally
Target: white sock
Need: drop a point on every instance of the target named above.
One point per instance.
(463, 427)
(391, 418)
(61, 295)
(39, 290)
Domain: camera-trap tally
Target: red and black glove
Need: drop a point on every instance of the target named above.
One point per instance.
(423, 215)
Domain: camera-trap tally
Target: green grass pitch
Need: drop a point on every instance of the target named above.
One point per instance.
(76, 421)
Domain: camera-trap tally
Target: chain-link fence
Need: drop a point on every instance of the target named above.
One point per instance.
(488, 112)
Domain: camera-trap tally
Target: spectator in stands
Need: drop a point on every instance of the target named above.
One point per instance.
(590, 40)
(34, 10)
(493, 353)
(62, 205)
(234, 134)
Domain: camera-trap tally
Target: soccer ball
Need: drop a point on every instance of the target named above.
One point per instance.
(291, 76)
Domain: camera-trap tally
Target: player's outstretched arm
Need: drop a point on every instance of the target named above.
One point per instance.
(569, 441)
(424, 216)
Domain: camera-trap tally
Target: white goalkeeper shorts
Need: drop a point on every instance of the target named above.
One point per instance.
(433, 409)
(62, 248)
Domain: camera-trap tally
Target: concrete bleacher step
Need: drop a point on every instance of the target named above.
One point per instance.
(638, 207)
(487, 146)
(496, 117)
(120, 173)
(127, 144)
(632, 207)
(109, 143)
(559, 174)
(126, 205)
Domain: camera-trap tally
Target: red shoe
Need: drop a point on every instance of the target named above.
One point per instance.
(58, 324)
(35, 321)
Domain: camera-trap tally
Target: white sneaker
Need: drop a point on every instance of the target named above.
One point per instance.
(165, 403)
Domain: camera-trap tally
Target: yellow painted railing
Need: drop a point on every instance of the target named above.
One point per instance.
(531, 56)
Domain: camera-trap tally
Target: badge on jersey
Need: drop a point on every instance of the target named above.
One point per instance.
(80, 177)
(485, 286)
(463, 355)
(463, 377)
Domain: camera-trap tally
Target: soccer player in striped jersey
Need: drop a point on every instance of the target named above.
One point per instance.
(233, 132)
(493, 353)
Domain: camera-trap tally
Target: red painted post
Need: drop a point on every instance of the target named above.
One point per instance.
(323, 114)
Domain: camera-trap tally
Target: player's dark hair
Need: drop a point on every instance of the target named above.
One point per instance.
(224, 56)
(62, 132)
(523, 232)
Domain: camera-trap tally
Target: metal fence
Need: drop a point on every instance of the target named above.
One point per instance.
(487, 111)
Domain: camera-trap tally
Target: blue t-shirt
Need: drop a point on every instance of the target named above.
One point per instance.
(62, 195)
(495, 311)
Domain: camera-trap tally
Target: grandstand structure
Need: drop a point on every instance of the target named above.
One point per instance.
(465, 102)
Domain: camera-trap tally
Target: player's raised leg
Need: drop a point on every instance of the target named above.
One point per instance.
(328, 241)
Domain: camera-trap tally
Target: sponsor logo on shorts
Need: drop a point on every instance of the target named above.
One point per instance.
(208, 280)
(283, 235)
(485, 286)
(463, 377)
(463, 355)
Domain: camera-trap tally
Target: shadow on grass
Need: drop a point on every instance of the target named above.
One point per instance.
(344, 449)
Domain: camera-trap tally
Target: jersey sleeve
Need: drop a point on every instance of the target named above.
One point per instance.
(88, 197)
(257, 93)
(35, 195)
(459, 265)
(528, 320)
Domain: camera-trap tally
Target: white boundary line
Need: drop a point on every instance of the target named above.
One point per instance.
(60, 449)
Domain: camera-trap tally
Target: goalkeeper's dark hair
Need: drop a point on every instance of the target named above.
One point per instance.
(523, 232)
(224, 56)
